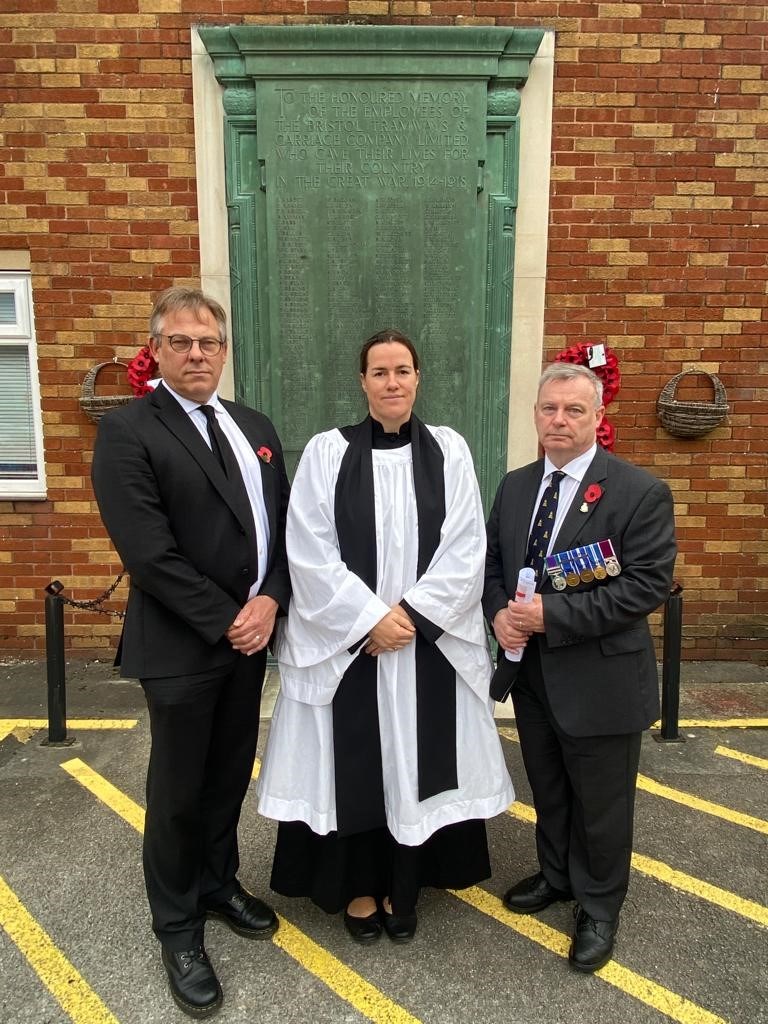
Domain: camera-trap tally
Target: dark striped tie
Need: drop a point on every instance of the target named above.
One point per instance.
(543, 523)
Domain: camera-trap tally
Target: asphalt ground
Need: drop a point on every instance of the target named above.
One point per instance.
(75, 941)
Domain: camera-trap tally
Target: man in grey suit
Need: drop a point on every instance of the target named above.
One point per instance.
(600, 535)
(193, 492)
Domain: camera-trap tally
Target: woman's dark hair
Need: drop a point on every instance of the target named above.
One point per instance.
(389, 334)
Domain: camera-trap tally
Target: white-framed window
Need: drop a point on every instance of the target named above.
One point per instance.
(22, 464)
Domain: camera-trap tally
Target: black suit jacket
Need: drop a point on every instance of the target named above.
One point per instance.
(597, 655)
(173, 519)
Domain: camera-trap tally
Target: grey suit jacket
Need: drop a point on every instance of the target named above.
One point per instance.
(597, 655)
(177, 525)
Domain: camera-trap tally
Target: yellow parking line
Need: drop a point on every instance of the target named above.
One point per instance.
(23, 728)
(679, 796)
(709, 723)
(9, 724)
(635, 985)
(342, 980)
(110, 795)
(719, 723)
(62, 980)
(671, 876)
(522, 811)
(698, 887)
(737, 755)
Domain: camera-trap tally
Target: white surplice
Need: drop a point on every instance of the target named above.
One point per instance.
(332, 609)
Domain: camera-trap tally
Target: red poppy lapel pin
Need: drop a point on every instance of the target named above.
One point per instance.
(265, 454)
(592, 494)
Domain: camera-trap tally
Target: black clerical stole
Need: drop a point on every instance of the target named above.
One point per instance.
(356, 740)
(543, 524)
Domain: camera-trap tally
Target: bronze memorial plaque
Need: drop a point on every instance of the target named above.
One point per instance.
(373, 220)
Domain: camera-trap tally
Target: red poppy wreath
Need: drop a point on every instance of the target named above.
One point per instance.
(609, 374)
(141, 369)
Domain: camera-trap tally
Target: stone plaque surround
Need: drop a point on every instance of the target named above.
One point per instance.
(374, 176)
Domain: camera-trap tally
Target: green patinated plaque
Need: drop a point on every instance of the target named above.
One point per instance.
(372, 179)
(375, 183)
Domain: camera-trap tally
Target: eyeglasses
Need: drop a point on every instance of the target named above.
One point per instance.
(183, 343)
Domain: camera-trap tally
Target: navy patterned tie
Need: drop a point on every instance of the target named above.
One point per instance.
(543, 523)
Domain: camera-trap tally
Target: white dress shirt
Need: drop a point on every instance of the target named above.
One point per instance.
(569, 485)
(248, 462)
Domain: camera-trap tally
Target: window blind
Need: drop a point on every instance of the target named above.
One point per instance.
(7, 307)
(17, 423)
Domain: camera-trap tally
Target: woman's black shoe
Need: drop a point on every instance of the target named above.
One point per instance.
(364, 930)
(400, 928)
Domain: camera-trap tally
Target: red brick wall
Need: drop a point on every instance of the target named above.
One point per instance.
(657, 245)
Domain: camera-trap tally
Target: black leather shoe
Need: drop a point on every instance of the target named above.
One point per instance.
(592, 944)
(364, 930)
(194, 985)
(246, 915)
(400, 928)
(533, 894)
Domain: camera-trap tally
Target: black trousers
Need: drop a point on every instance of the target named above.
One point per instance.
(204, 734)
(584, 795)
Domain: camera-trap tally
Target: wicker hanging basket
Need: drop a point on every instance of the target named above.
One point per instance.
(691, 419)
(94, 406)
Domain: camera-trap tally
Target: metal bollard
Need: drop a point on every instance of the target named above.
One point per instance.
(670, 667)
(57, 683)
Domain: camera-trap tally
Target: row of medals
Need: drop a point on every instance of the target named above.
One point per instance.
(582, 565)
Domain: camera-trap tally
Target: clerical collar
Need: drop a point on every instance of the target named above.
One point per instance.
(384, 439)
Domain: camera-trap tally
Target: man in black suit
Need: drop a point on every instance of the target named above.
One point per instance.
(587, 683)
(193, 493)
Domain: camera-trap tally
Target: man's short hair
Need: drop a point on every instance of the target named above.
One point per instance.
(181, 297)
(570, 371)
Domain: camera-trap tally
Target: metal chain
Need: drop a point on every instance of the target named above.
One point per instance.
(94, 605)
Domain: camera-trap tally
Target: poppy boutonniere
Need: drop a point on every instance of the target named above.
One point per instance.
(592, 494)
(265, 454)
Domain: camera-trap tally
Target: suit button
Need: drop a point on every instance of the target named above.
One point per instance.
(243, 572)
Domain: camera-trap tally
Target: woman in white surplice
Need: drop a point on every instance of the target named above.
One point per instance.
(383, 759)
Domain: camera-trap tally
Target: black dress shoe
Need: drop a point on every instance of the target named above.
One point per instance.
(400, 927)
(533, 894)
(246, 915)
(592, 943)
(194, 985)
(364, 930)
